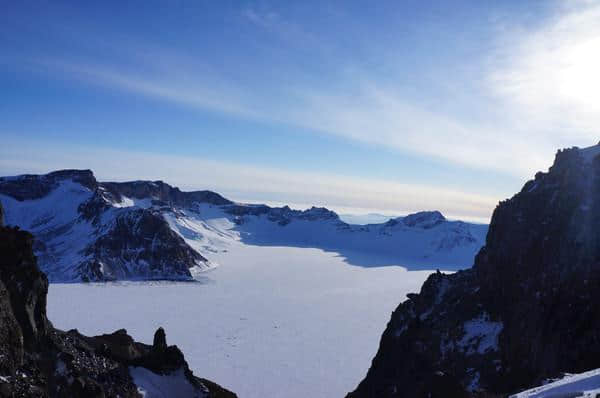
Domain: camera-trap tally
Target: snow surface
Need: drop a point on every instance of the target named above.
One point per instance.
(578, 385)
(152, 385)
(270, 322)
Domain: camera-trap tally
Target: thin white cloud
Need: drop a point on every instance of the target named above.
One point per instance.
(378, 116)
(240, 181)
(170, 82)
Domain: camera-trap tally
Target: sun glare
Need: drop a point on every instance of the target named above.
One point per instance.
(578, 78)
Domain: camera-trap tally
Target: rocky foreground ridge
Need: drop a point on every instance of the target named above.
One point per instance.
(527, 310)
(37, 360)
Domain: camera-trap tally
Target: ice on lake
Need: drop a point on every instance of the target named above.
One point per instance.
(268, 322)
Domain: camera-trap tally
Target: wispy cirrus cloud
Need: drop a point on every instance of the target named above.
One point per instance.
(366, 112)
(538, 93)
(168, 81)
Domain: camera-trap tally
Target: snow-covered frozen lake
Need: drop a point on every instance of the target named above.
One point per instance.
(268, 322)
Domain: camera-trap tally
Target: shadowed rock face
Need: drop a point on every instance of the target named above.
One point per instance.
(26, 287)
(525, 312)
(145, 247)
(37, 360)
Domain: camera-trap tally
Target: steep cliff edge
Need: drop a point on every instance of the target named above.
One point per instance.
(525, 312)
(37, 360)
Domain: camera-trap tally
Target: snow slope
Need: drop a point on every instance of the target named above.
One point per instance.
(152, 385)
(573, 385)
(269, 322)
(54, 220)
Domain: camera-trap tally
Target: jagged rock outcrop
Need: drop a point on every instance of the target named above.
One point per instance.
(525, 312)
(37, 360)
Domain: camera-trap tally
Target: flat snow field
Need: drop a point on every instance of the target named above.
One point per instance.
(268, 322)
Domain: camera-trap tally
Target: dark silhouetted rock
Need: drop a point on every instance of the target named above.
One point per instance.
(526, 311)
(26, 285)
(160, 340)
(37, 360)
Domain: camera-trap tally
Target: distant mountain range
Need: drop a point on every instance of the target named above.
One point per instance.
(87, 230)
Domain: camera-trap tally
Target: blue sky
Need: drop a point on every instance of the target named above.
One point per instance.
(390, 107)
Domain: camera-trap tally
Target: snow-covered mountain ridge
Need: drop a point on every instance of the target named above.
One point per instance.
(93, 231)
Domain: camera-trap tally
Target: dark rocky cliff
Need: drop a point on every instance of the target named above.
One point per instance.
(37, 360)
(525, 312)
